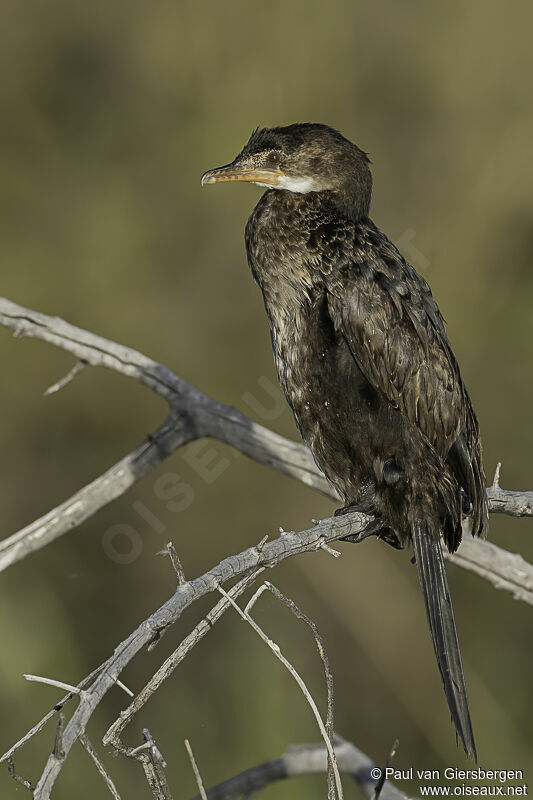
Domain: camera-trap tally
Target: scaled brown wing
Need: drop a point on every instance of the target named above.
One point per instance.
(396, 334)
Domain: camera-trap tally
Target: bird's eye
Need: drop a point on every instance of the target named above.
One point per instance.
(273, 159)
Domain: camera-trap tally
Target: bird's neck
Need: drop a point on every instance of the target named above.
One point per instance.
(279, 233)
(281, 242)
(349, 204)
(276, 237)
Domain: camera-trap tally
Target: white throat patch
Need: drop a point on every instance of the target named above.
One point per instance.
(300, 185)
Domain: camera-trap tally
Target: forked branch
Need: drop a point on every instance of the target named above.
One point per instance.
(194, 415)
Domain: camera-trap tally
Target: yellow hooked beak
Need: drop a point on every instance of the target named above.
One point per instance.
(234, 172)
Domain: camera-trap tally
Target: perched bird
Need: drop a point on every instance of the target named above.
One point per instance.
(364, 361)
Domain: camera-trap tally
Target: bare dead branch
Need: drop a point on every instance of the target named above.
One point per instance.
(505, 501)
(299, 614)
(112, 736)
(124, 688)
(151, 745)
(381, 780)
(107, 487)
(53, 682)
(196, 771)
(331, 550)
(58, 752)
(11, 769)
(51, 714)
(193, 415)
(304, 760)
(299, 680)
(170, 551)
(151, 759)
(255, 558)
(206, 416)
(60, 384)
(504, 570)
(154, 765)
(157, 781)
(87, 744)
(73, 690)
(269, 555)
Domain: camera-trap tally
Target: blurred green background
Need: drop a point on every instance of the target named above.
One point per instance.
(110, 114)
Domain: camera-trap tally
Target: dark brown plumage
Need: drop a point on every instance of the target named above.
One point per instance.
(364, 361)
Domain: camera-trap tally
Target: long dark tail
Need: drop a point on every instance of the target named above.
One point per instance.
(432, 574)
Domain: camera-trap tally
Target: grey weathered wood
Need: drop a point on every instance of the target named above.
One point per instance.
(194, 415)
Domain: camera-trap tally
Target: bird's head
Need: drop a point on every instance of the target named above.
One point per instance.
(302, 158)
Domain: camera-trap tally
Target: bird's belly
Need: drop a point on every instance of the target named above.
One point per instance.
(341, 418)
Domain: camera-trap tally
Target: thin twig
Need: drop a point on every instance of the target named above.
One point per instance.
(193, 415)
(51, 714)
(124, 688)
(87, 744)
(299, 614)
(330, 550)
(11, 769)
(170, 550)
(381, 781)
(140, 749)
(112, 736)
(76, 369)
(299, 680)
(113, 483)
(305, 760)
(156, 752)
(196, 771)
(52, 682)
(273, 552)
(154, 764)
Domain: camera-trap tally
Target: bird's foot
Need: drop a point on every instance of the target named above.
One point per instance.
(391, 537)
(376, 528)
(363, 508)
(372, 529)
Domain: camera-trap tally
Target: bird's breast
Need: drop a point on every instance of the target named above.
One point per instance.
(281, 253)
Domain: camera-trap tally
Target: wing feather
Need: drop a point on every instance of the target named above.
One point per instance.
(386, 312)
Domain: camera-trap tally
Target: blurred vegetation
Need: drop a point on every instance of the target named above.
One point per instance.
(110, 114)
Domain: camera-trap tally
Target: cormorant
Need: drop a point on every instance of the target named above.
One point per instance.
(364, 361)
